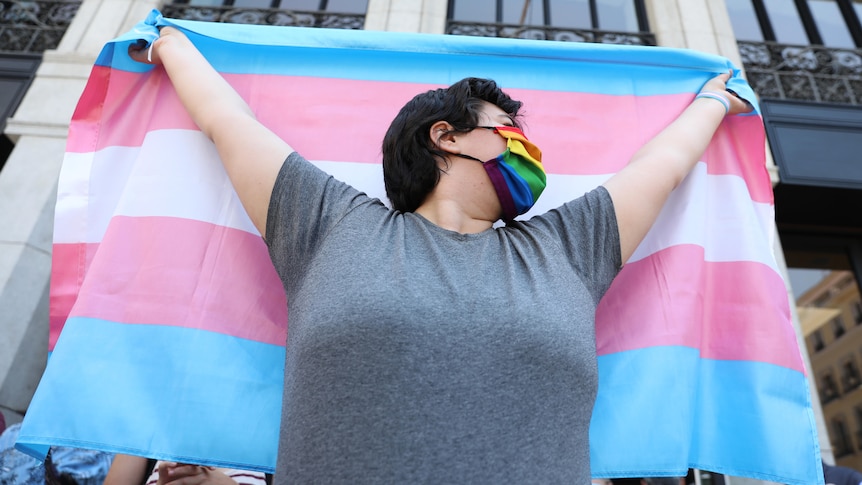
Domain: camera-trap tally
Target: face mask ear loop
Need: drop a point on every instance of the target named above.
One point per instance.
(468, 157)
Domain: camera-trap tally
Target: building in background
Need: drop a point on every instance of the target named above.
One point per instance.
(830, 314)
(803, 58)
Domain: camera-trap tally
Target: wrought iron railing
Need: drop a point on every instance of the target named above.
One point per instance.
(34, 26)
(805, 73)
(541, 32)
(265, 16)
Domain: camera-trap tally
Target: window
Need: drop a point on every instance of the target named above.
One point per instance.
(849, 375)
(611, 15)
(817, 341)
(334, 14)
(828, 388)
(786, 22)
(838, 327)
(832, 23)
(619, 15)
(840, 437)
(744, 20)
(334, 6)
(606, 21)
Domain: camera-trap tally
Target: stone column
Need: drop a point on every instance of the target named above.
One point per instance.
(28, 186)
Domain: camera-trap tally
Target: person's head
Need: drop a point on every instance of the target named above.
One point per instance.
(54, 476)
(412, 159)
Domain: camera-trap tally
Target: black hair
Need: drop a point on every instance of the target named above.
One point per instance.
(410, 158)
(53, 477)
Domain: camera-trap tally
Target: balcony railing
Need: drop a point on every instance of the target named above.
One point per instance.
(264, 16)
(540, 32)
(32, 27)
(805, 73)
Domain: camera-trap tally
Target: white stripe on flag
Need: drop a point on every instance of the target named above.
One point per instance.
(176, 174)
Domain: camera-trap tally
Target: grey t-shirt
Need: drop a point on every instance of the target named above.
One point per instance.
(420, 355)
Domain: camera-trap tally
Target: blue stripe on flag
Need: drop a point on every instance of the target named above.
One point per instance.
(742, 411)
(441, 59)
(204, 372)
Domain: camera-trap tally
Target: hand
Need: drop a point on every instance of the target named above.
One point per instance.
(184, 474)
(718, 84)
(143, 53)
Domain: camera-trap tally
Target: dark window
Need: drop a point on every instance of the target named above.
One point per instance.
(838, 327)
(850, 376)
(828, 389)
(6, 147)
(16, 74)
(817, 341)
(832, 23)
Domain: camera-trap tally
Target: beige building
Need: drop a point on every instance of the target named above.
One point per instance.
(831, 317)
(802, 57)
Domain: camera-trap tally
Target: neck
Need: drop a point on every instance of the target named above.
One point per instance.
(449, 215)
(463, 200)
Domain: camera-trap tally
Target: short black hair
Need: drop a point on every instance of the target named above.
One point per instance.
(410, 157)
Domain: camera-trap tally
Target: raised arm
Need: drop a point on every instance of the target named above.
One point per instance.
(251, 153)
(127, 469)
(641, 188)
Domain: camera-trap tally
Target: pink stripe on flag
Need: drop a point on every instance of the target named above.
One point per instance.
(559, 122)
(674, 297)
(86, 122)
(69, 263)
(185, 273)
(738, 148)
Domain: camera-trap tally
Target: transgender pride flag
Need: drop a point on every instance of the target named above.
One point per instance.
(173, 320)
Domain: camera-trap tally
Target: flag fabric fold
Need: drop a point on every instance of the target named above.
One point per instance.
(173, 320)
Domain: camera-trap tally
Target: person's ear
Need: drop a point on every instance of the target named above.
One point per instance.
(444, 137)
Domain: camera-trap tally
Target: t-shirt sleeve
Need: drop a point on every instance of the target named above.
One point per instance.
(306, 203)
(587, 230)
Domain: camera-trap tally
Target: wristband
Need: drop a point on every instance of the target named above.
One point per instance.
(716, 96)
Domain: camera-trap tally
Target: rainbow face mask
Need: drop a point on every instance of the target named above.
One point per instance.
(517, 174)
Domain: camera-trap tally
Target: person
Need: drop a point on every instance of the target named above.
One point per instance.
(133, 470)
(427, 343)
(841, 475)
(62, 465)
